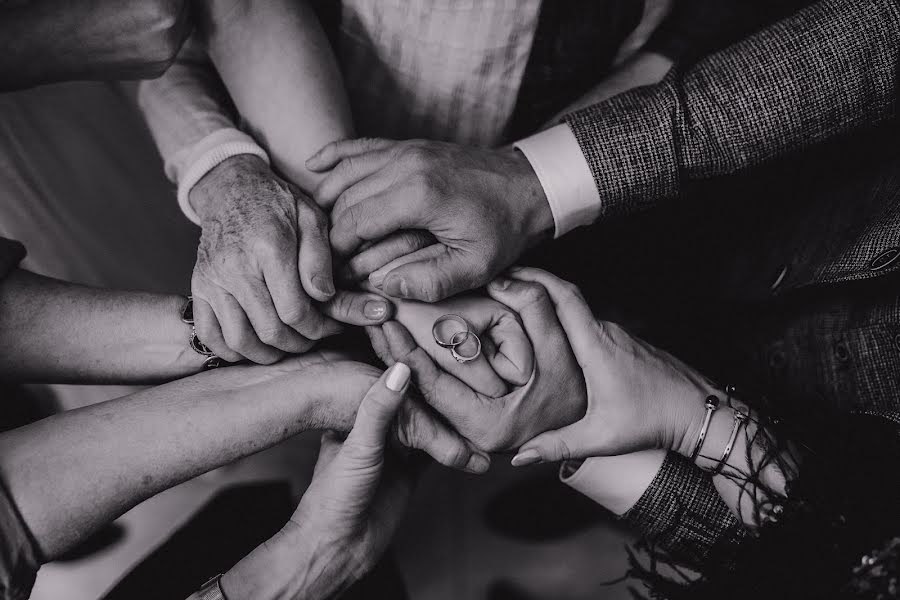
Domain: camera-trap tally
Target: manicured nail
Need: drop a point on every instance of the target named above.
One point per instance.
(478, 464)
(376, 278)
(523, 459)
(500, 284)
(375, 310)
(323, 284)
(398, 378)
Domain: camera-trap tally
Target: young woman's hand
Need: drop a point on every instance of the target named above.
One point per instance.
(347, 516)
(639, 397)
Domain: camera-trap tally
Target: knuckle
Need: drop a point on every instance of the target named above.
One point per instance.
(454, 455)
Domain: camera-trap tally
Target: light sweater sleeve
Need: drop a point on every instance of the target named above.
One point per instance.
(192, 120)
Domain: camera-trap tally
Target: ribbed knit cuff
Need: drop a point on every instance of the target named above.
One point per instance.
(213, 150)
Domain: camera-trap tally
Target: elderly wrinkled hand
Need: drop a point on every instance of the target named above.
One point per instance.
(473, 212)
(553, 396)
(263, 284)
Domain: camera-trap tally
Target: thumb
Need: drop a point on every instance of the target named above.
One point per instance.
(572, 441)
(431, 280)
(367, 439)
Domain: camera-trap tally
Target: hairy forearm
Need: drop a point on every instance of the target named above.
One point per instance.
(71, 473)
(282, 75)
(55, 331)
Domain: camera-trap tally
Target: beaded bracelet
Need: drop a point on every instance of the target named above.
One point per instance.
(187, 316)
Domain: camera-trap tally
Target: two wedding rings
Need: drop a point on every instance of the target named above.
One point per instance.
(454, 333)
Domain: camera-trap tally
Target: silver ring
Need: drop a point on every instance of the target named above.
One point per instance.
(452, 343)
(460, 358)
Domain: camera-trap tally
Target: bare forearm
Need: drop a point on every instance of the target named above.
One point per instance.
(44, 41)
(55, 331)
(282, 75)
(73, 472)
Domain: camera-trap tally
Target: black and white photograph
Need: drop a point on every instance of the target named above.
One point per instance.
(450, 299)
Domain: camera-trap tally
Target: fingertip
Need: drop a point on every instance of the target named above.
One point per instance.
(478, 464)
(395, 285)
(397, 377)
(526, 457)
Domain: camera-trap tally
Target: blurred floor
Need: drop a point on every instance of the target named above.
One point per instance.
(81, 185)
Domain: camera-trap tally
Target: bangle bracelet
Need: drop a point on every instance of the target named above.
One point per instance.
(712, 403)
(739, 418)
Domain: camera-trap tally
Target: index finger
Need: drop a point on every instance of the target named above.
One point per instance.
(572, 309)
(377, 410)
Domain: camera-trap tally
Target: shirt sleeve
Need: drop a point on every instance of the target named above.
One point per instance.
(827, 70)
(556, 158)
(615, 482)
(193, 122)
(19, 555)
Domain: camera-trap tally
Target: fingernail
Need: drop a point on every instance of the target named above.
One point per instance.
(398, 377)
(396, 287)
(500, 284)
(323, 284)
(523, 459)
(375, 310)
(478, 464)
(376, 278)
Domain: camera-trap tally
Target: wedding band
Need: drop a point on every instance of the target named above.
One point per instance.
(452, 343)
(461, 358)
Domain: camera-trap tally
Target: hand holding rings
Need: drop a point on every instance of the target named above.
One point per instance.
(456, 339)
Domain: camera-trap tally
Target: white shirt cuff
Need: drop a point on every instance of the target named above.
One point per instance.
(204, 156)
(564, 173)
(616, 482)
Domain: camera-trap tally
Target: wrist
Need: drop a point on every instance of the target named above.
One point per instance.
(690, 420)
(531, 200)
(207, 195)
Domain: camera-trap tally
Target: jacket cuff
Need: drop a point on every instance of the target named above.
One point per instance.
(629, 144)
(564, 174)
(682, 512)
(203, 157)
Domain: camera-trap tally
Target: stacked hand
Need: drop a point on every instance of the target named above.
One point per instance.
(347, 516)
(638, 397)
(595, 390)
(472, 212)
(552, 396)
(263, 283)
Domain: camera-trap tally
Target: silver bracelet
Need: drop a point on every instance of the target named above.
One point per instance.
(739, 418)
(712, 403)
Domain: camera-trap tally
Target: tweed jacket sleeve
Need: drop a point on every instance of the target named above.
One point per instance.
(682, 514)
(827, 70)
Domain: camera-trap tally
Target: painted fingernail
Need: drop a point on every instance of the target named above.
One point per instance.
(478, 463)
(398, 378)
(323, 284)
(375, 310)
(523, 459)
(500, 284)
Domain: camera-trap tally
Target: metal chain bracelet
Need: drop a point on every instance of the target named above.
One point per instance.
(187, 316)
